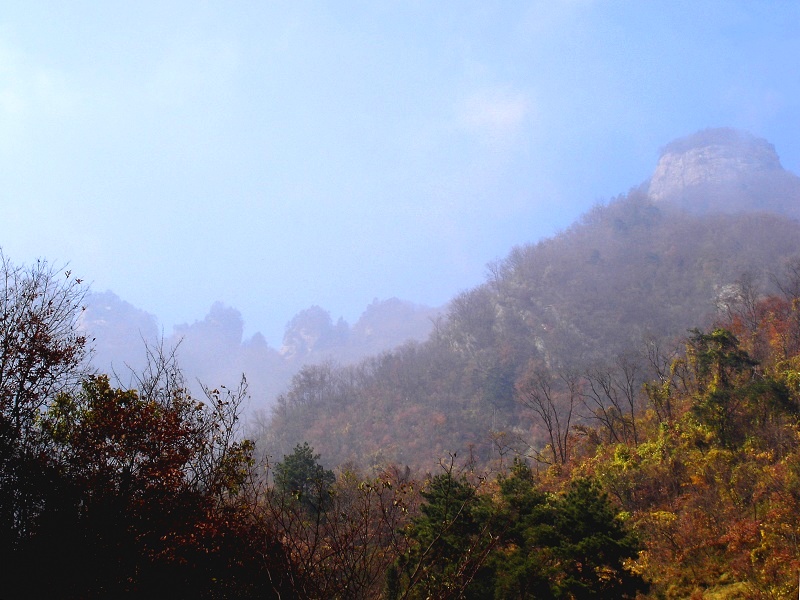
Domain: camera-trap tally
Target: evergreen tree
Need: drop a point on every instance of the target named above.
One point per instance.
(592, 545)
(301, 476)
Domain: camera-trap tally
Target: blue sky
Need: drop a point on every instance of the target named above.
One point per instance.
(278, 155)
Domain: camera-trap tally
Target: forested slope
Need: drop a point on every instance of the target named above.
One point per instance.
(613, 413)
(628, 276)
(684, 487)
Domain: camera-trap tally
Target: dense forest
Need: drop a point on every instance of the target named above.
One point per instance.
(589, 304)
(613, 413)
(683, 485)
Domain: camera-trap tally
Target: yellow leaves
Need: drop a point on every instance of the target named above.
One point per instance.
(698, 435)
(788, 371)
(662, 517)
(622, 456)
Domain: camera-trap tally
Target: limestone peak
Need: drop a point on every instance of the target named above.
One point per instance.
(724, 170)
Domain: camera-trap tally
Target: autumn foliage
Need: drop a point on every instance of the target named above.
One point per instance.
(672, 475)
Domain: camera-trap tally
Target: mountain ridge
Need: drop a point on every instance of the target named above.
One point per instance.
(634, 274)
(626, 237)
(215, 351)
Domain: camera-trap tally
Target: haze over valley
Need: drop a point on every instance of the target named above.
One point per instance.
(400, 300)
(631, 258)
(641, 364)
(216, 350)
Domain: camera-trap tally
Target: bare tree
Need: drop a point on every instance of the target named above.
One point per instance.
(553, 400)
(789, 281)
(739, 302)
(611, 397)
(668, 375)
(344, 549)
(789, 285)
(222, 453)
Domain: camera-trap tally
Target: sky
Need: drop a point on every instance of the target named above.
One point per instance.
(278, 155)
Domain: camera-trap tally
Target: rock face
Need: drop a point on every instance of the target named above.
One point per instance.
(385, 324)
(724, 170)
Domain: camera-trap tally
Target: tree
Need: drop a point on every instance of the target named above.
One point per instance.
(570, 545)
(717, 359)
(41, 349)
(553, 401)
(42, 353)
(345, 550)
(132, 491)
(592, 545)
(611, 396)
(450, 541)
(521, 562)
(153, 481)
(732, 397)
(302, 477)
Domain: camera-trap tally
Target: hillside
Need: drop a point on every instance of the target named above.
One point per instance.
(634, 274)
(559, 435)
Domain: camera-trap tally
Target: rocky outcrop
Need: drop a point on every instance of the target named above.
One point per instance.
(724, 170)
(385, 324)
(312, 330)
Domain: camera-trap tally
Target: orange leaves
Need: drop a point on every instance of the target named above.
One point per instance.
(119, 442)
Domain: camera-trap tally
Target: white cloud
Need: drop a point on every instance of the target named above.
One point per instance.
(498, 113)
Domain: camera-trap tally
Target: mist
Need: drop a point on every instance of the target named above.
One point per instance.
(274, 157)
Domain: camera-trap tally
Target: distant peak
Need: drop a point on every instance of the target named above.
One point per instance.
(724, 170)
(732, 140)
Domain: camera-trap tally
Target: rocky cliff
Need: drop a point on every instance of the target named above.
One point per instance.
(724, 170)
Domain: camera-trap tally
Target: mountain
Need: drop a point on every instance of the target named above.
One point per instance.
(628, 277)
(724, 170)
(119, 331)
(215, 352)
(312, 336)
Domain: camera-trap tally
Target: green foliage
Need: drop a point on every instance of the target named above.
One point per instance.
(518, 542)
(731, 397)
(522, 565)
(592, 546)
(300, 476)
(572, 545)
(450, 539)
(718, 359)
